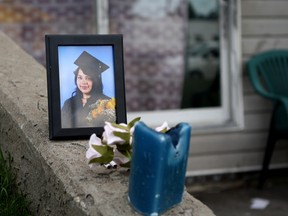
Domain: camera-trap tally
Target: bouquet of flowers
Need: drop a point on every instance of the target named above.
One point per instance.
(103, 110)
(115, 146)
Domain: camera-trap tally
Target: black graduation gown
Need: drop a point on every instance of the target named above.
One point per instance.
(73, 114)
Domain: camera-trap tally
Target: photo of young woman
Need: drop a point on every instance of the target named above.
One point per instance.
(88, 106)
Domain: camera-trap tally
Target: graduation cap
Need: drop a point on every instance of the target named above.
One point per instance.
(90, 65)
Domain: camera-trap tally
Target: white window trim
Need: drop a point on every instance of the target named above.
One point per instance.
(228, 117)
(102, 16)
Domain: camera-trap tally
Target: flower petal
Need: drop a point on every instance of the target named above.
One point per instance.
(120, 158)
(91, 152)
(108, 135)
(94, 140)
(164, 127)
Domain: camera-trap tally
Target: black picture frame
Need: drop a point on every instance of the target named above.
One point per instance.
(61, 53)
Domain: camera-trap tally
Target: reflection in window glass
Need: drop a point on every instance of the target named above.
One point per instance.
(154, 33)
(202, 78)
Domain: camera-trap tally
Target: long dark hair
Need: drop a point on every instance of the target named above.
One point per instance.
(97, 87)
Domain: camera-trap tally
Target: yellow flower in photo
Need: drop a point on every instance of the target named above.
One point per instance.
(111, 104)
(94, 113)
(102, 108)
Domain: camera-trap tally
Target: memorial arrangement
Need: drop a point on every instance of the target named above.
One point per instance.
(157, 159)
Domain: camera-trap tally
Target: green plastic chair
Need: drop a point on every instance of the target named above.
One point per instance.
(268, 73)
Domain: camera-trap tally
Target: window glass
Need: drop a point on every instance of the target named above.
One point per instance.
(201, 86)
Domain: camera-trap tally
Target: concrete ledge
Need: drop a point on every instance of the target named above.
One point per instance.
(55, 174)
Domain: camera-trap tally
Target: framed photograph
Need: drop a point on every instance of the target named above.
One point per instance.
(85, 79)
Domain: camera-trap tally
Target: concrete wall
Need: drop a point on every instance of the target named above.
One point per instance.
(55, 175)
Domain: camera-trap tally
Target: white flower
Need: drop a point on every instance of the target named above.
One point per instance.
(99, 152)
(108, 135)
(91, 152)
(115, 145)
(111, 139)
(163, 127)
(120, 158)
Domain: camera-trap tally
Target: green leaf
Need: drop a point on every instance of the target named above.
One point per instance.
(122, 127)
(124, 147)
(102, 160)
(129, 154)
(106, 152)
(101, 149)
(125, 150)
(123, 135)
(126, 165)
(132, 123)
(164, 130)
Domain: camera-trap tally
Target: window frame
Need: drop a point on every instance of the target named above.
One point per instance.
(230, 116)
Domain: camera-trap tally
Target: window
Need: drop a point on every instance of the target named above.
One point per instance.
(210, 60)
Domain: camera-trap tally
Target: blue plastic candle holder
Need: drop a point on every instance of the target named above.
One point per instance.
(158, 167)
